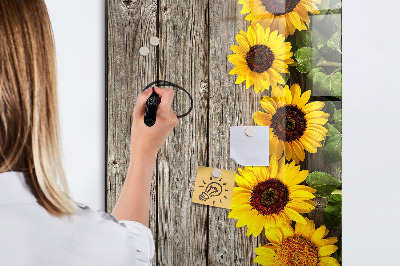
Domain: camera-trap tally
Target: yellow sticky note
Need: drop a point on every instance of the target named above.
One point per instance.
(213, 191)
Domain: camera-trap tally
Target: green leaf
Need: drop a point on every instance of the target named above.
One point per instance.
(330, 109)
(335, 40)
(332, 150)
(331, 24)
(303, 39)
(330, 54)
(337, 115)
(334, 84)
(323, 84)
(318, 39)
(333, 212)
(324, 183)
(306, 58)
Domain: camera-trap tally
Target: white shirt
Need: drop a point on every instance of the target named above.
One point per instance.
(29, 235)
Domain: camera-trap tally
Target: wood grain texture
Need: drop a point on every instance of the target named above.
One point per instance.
(130, 24)
(182, 225)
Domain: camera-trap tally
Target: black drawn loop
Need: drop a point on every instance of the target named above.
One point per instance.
(170, 84)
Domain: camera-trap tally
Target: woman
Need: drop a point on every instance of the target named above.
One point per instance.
(40, 222)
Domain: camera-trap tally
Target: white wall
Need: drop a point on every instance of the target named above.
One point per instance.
(80, 39)
(371, 132)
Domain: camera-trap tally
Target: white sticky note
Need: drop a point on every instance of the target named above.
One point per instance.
(250, 149)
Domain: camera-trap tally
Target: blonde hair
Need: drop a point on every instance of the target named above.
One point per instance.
(29, 120)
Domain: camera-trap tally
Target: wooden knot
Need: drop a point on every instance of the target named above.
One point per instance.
(127, 2)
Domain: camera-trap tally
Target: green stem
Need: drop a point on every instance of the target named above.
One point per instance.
(329, 64)
(336, 70)
(337, 191)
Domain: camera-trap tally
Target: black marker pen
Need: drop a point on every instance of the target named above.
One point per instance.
(151, 109)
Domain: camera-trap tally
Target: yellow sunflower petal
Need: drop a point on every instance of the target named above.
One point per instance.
(308, 146)
(318, 234)
(295, 216)
(305, 97)
(288, 151)
(251, 35)
(288, 94)
(274, 235)
(265, 251)
(273, 167)
(239, 211)
(258, 225)
(243, 43)
(240, 79)
(313, 106)
(327, 241)
(301, 195)
(300, 206)
(240, 200)
(238, 50)
(298, 150)
(268, 105)
(297, 179)
(303, 187)
(295, 19)
(264, 261)
(328, 261)
(327, 250)
(240, 190)
(296, 93)
(315, 114)
(262, 119)
(318, 121)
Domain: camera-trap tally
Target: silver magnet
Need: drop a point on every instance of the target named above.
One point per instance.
(144, 51)
(216, 173)
(250, 131)
(154, 41)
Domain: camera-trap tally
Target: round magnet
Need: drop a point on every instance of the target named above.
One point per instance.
(216, 173)
(144, 51)
(154, 41)
(250, 131)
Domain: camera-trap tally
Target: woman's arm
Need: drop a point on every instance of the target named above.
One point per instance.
(134, 200)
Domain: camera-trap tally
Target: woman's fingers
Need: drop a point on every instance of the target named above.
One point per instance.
(140, 106)
(167, 95)
(164, 110)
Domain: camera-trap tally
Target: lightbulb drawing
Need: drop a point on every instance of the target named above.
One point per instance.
(213, 189)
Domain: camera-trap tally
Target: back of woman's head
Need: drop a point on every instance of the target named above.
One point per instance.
(29, 123)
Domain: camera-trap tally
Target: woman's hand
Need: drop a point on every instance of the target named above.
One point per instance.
(134, 200)
(146, 141)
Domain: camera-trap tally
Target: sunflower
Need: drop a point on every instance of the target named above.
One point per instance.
(295, 125)
(283, 15)
(260, 58)
(302, 246)
(270, 196)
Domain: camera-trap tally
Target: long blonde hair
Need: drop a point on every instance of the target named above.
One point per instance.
(29, 119)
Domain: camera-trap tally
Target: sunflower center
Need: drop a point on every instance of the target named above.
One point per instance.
(288, 123)
(297, 251)
(279, 7)
(269, 197)
(260, 58)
